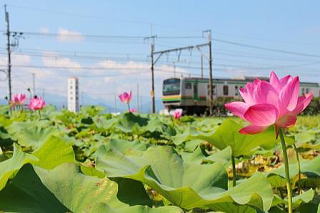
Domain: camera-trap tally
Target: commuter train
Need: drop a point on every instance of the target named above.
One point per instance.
(192, 94)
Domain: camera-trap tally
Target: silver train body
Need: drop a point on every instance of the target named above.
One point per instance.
(192, 94)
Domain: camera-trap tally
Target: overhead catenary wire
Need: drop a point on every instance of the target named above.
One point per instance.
(267, 49)
(141, 37)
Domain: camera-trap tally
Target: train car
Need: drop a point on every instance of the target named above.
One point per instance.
(192, 94)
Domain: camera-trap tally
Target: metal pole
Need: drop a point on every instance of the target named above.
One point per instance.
(8, 51)
(210, 73)
(152, 79)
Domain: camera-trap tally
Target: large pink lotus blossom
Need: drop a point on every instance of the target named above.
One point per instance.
(125, 97)
(177, 113)
(18, 99)
(37, 103)
(276, 102)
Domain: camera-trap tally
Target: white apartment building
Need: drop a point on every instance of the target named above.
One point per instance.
(73, 94)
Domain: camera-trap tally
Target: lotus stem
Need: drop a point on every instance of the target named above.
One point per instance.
(299, 167)
(234, 172)
(286, 164)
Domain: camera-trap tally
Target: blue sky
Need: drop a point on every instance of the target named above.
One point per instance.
(56, 44)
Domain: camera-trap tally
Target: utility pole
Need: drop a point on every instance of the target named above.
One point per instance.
(152, 73)
(210, 73)
(34, 84)
(152, 80)
(8, 51)
(158, 55)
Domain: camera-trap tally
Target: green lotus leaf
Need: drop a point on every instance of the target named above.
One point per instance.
(304, 137)
(10, 167)
(155, 125)
(26, 193)
(132, 192)
(31, 133)
(228, 135)
(187, 185)
(53, 152)
(76, 191)
(308, 167)
(305, 197)
(130, 123)
(65, 189)
(221, 156)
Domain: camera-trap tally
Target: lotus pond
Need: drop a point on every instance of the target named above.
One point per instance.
(59, 161)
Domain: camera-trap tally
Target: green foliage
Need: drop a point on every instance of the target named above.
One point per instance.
(95, 162)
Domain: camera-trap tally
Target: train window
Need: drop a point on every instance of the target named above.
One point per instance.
(236, 92)
(187, 86)
(225, 90)
(171, 87)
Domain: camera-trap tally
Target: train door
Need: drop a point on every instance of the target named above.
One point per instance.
(195, 91)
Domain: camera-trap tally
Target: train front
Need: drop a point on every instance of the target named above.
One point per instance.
(171, 93)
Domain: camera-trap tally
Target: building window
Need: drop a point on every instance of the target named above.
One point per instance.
(71, 98)
(226, 90)
(187, 86)
(236, 91)
(302, 91)
(307, 90)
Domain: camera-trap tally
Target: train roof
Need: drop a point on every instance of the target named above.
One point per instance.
(245, 80)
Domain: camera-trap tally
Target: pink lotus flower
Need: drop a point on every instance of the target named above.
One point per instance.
(18, 99)
(37, 103)
(132, 110)
(177, 113)
(276, 102)
(125, 97)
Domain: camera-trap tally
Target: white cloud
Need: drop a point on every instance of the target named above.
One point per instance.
(65, 35)
(134, 68)
(104, 83)
(123, 68)
(51, 59)
(16, 59)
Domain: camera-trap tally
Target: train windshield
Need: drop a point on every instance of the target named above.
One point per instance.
(171, 86)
